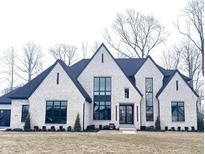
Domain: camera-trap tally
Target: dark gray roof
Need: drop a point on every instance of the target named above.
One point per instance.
(5, 99)
(26, 91)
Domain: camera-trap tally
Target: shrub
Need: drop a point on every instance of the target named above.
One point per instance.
(106, 127)
(178, 128)
(77, 126)
(143, 127)
(193, 128)
(8, 129)
(173, 128)
(91, 127)
(61, 128)
(36, 128)
(18, 129)
(27, 125)
(53, 129)
(111, 126)
(44, 128)
(157, 124)
(166, 128)
(186, 128)
(200, 123)
(69, 129)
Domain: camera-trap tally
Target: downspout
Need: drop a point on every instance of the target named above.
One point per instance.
(84, 114)
(140, 112)
(158, 107)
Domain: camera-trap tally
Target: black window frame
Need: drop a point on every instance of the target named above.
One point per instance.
(57, 119)
(102, 94)
(24, 113)
(6, 121)
(178, 112)
(127, 93)
(146, 102)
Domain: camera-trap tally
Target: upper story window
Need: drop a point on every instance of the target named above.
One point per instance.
(102, 98)
(149, 98)
(127, 93)
(56, 112)
(25, 112)
(102, 85)
(177, 85)
(57, 78)
(178, 111)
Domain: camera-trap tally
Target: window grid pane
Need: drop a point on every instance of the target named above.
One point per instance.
(178, 111)
(149, 99)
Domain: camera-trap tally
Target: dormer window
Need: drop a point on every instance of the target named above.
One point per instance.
(102, 58)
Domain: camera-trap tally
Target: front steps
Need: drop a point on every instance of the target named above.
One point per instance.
(127, 128)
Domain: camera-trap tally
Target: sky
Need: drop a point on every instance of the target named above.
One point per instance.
(49, 22)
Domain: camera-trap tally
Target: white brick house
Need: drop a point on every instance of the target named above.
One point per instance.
(103, 90)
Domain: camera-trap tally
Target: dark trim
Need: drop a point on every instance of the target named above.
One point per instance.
(102, 58)
(83, 116)
(116, 112)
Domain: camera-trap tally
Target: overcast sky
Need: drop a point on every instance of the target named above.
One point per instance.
(48, 22)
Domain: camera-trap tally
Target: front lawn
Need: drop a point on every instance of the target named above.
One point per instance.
(101, 142)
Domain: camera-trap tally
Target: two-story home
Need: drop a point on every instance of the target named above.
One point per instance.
(103, 90)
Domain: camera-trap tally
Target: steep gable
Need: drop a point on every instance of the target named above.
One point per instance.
(27, 90)
(107, 56)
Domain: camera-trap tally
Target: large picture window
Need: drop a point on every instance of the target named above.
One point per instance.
(149, 98)
(56, 112)
(102, 98)
(178, 111)
(5, 118)
(25, 111)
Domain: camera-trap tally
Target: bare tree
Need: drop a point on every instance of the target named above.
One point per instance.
(8, 63)
(187, 58)
(171, 59)
(64, 52)
(136, 33)
(84, 46)
(193, 14)
(95, 46)
(30, 62)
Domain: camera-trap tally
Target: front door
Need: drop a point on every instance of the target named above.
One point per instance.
(126, 114)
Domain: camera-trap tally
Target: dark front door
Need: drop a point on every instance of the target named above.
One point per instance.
(126, 114)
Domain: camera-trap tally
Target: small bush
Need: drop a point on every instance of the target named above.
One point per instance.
(200, 124)
(69, 129)
(36, 128)
(186, 128)
(18, 129)
(157, 124)
(77, 126)
(27, 125)
(179, 128)
(150, 128)
(106, 127)
(143, 127)
(173, 128)
(44, 128)
(91, 127)
(8, 129)
(100, 127)
(53, 129)
(192, 128)
(166, 128)
(111, 126)
(61, 129)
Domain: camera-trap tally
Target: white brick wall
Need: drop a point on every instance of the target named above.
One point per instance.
(183, 94)
(119, 82)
